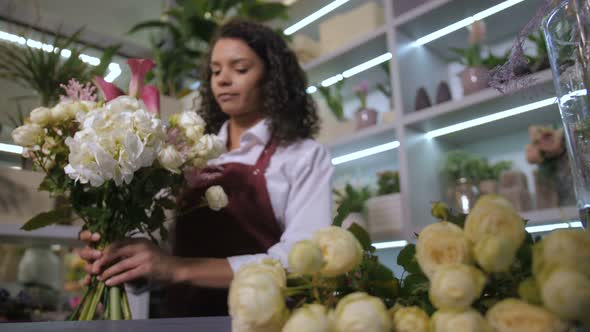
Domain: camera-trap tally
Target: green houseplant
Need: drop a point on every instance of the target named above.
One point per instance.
(333, 97)
(388, 182)
(351, 200)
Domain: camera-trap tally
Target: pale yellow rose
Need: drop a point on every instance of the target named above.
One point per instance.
(63, 111)
(566, 292)
(256, 303)
(170, 159)
(269, 266)
(439, 244)
(529, 291)
(494, 253)
(341, 251)
(456, 286)
(309, 318)
(360, 312)
(494, 215)
(512, 315)
(464, 321)
(564, 247)
(216, 198)
(305, 258)
(27, 135)
(410, 319)
(41, 116)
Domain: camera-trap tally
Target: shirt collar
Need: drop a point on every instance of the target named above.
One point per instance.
(259, 132)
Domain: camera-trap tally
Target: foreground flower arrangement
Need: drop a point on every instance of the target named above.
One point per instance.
(476, 272)
(117, 166)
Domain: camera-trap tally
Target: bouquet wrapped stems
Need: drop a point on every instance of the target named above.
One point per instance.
(113, 298)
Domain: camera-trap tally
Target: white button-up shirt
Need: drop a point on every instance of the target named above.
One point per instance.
(298, 180)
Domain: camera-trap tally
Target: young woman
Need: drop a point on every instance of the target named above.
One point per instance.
(276, 177)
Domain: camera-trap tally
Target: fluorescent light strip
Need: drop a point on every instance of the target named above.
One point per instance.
(551, 227)
(311, 89)
(11, 148)
(490, 118)
(366, 65)
(115, 69)
(334, 79)
(365, 153)
(314, 16)
(466, 22)
(390, 244)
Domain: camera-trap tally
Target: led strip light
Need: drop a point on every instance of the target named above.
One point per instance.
(314, 16)
(365, 153)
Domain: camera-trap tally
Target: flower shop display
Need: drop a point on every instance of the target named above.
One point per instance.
(351, 205)
(475, 272)
(553, 181)
(117, 166)
(385, 209)
(365, 117)
(475, 75)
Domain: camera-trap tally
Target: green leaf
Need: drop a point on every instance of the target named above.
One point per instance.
(381, 272)
(361, 235)
(415, 284)
(407, 259)
(45, 219)
(384, 288)
(342, 212)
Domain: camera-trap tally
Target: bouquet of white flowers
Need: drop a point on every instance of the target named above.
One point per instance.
(117, 166)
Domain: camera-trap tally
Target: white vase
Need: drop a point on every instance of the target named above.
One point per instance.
(385, 217)
(40, 266)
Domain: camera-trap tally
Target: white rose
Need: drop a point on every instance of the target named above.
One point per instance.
(41, 116)
(513, 315)
(564, 247)
(494, 253)
(439, 244)
(189, 119)
(494, 215)
(456, 286)
(309, 318)
(170, 159)
(123, 104)
(305, 258)
(194, 134)
(209, 147)
(216, 198)
(566, 292)
(360, 312)
(256, 303)
(464, 321)
(271, 267)
(27, 135)
(410, 319)
(63, 111)
(341, 251)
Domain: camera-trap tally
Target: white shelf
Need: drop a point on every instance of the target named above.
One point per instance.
(362, 135)
(539, 217)
(358, 42)
(54, 233)
(418, 11)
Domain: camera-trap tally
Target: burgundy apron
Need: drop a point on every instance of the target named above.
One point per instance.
(247, 225)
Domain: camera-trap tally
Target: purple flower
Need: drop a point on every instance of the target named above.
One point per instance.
(362, 87)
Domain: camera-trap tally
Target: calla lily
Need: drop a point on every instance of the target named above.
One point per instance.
(151, 98)
(139, 67)
(109, 90)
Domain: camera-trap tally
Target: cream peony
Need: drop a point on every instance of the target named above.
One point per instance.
(309, 318)
(41, 116)
(269, 266)
(494, 253)
(456, 286)
(65, 110)
(564, 247)
(27, 135)
(256, 303)
(494, 215)
(464, 321)
(360, 312)
(439, 244)
(410, 319)
(170, 159)
(305, 258)
(216, 198)
(341, 251)
(566, 292)
(512, 315)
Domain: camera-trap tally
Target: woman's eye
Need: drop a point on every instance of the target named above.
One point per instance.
(242, 70)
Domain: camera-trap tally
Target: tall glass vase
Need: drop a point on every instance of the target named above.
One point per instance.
(567, 33)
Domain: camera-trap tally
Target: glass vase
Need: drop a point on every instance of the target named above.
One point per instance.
(567, 29)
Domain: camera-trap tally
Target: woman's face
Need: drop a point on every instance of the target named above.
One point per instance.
(236, 73)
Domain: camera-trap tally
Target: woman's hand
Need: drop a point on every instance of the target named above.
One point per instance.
(89, 254)
(135, 258)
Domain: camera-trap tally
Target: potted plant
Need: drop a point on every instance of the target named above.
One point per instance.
(351, 203)
(365, 117)
(334, 123)
(490, 175)
(475, 76)
(553, 180)
(385, 209)
(462, 171)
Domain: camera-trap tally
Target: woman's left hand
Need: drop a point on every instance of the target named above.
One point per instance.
(133, 259)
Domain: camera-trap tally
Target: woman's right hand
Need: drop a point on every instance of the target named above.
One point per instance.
(89, 254)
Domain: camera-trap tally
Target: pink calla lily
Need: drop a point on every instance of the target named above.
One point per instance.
(139, 67)
(151, 98)
(109, 90)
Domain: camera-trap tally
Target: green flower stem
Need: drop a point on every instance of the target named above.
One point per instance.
(125, 306)
(95, 300)
(115, 303)
(87, 302)
(297, 290)
(79, 307)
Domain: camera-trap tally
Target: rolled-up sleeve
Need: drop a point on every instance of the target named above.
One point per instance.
(309, 204)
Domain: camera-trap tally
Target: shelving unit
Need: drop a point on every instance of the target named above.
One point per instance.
(51, 234)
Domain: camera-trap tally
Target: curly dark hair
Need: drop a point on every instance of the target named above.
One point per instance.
(291, 111)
